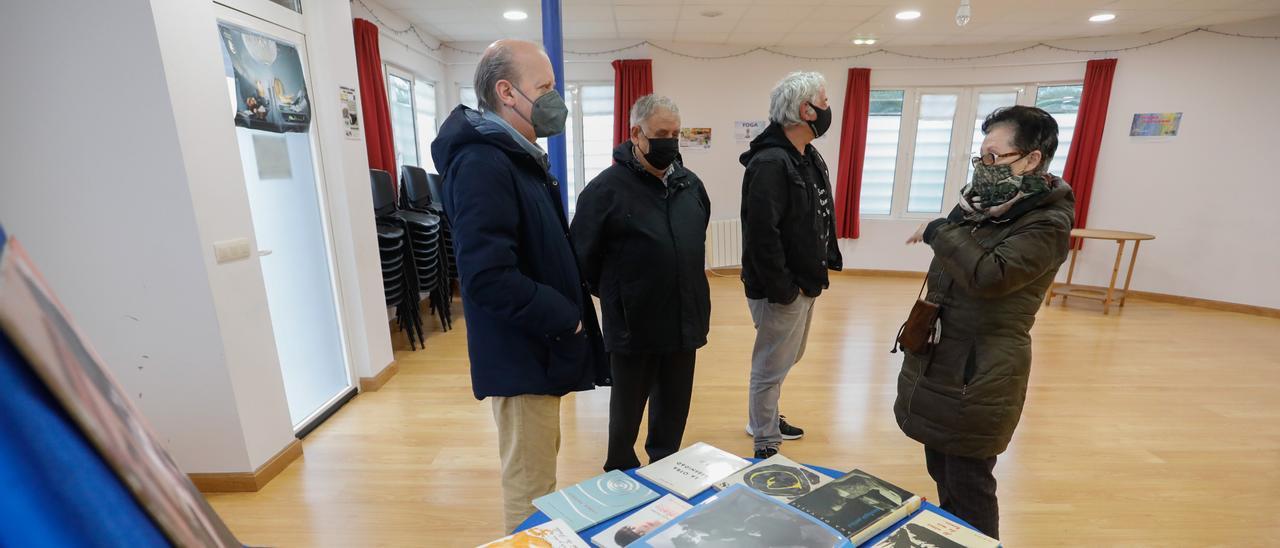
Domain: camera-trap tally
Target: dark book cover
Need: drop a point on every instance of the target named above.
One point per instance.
(854, 502)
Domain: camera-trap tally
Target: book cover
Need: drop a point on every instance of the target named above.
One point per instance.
(552, 534)
(933, 530)
(595, 500)
(741, 517)
(64, 360)
(778, 477)
(640, 523)
(693, 469)
(859, 505)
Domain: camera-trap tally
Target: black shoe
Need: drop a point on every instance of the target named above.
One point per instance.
(766, 452)
(789, 432)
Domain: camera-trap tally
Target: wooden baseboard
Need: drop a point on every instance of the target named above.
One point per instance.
(876, 273)
(1223, 306)
(730, 271)
(372, 384)
(1144, 295)
(249, 482)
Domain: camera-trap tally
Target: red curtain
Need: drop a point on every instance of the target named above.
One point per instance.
(632, 79)
(1087, 140)
(853, 148)
(373, 102)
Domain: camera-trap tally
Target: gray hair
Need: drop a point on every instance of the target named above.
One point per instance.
(497, 63)
(648, 105)
(793, 92)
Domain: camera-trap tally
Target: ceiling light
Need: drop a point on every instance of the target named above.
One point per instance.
(515, 15)
(869, 41)
(712, 13)
(964, 14)
(908, 15)
(859, 41)
(1103, 17)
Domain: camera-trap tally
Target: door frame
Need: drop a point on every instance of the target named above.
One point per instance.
(234, 15)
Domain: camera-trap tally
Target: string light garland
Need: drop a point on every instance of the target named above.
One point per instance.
(412, 29)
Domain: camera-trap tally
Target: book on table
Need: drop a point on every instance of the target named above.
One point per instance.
(742, 517)
(693, 469)
(859, 505)
(778, 477)
(646, 519)
(595, 500)
(552, 534)
(934, 530)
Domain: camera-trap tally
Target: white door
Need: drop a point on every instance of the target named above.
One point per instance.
(279, 154)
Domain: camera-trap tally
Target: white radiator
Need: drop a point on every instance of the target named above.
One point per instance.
(724, 243)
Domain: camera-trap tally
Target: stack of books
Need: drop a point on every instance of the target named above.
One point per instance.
(774, 502)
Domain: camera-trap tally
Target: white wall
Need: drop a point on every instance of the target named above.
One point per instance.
(97, 189)
(1229, 109)
(331, 46)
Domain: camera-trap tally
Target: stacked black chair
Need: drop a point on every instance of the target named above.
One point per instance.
(420, 191)
(399, 272)
(427, 232)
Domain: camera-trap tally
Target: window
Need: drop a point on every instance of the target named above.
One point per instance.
(1063, 102)
(467, 96)
(295, 5)
(411, 102)
(424, 99)
(883, 124)
(918, 174)
(595, 102)
(403, 132)
(932, 152)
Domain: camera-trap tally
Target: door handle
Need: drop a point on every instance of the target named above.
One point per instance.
(264, 252)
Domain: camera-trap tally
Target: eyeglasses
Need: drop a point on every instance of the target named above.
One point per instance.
(990, 158)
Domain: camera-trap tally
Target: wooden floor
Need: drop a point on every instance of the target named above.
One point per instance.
(1158, 425)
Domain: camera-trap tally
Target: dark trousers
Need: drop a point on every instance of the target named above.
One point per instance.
(665, 381)
(966, 488)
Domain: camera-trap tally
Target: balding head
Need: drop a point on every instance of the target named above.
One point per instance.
(512, 74)
(516, 62)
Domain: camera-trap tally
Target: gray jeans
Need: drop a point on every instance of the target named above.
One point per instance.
(781, 332)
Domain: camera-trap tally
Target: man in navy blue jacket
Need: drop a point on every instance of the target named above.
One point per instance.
(532, 332)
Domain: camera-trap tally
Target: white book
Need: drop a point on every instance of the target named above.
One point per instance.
(935, 530)
(778, 477)
(554, 534)
(640, 523)
(693, 469)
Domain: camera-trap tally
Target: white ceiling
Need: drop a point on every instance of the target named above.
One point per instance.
(822, 22)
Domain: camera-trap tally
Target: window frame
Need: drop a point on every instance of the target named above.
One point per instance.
(963, 122)
(389, 70)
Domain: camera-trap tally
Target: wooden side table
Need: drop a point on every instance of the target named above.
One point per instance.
(1111, 295)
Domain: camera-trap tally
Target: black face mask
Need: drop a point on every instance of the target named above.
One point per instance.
(662, 152)
(823, 123)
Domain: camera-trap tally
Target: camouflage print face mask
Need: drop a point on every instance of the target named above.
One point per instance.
(994, 186)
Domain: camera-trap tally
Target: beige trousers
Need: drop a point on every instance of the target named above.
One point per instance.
(528, 441)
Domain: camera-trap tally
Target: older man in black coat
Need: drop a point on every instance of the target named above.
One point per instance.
(640, 231)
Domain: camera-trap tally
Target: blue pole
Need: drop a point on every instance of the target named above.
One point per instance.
(553, 41)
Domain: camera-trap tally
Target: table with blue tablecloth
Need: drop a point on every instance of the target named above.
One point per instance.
(539, 518)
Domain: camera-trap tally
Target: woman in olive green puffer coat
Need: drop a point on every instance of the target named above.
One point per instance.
(991, 268)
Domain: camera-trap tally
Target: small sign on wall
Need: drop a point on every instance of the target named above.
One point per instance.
(1155, 124)
(350, 112)
(746, 130)
(695, 138)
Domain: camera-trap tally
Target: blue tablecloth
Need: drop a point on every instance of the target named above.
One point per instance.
(586, 534)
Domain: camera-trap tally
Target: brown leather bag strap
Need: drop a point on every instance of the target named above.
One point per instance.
(923, 284)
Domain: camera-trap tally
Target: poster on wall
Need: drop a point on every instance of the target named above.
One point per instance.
(60, 356)
(350, 112)
(695, 138)
(1155, 124)
(270, 92)
(746, 130)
